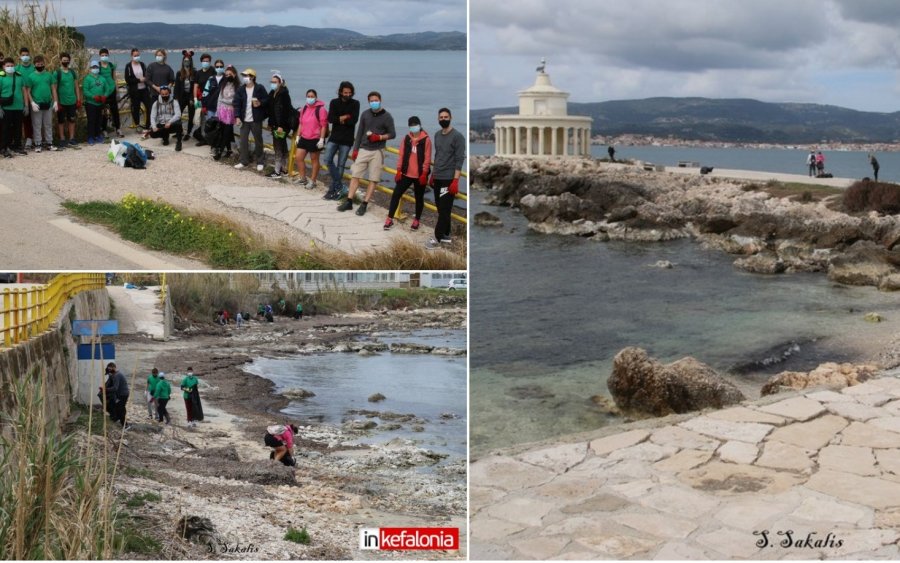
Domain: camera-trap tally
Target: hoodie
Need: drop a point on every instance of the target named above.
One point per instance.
(312, 119)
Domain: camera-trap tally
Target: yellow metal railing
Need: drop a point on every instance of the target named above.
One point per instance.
(28, 312)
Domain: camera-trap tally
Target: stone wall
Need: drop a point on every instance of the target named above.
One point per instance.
(54, 351)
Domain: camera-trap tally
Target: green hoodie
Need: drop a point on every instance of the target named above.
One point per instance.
(163, 389)
(6, 87)
(188, 384)
(92, 86)
(152, 381)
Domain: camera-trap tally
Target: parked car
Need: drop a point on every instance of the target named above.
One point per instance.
(458, 283)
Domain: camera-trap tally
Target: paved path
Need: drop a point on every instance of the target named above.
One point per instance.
(36, 237)
(821, 462)
(137, 310)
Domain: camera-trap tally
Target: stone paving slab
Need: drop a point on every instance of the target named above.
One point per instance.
(817, 464)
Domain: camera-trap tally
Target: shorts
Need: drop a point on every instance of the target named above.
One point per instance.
(66, 113)
(309, 145)
(370, 161)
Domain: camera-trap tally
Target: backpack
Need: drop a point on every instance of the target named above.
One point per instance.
(135, 156)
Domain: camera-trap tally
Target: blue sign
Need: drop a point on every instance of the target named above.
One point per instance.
(96, 352)
(95, 328)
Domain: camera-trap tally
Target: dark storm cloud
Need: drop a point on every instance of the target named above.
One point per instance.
(881, 12)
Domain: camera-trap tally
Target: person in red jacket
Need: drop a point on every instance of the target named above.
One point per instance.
(413, 166)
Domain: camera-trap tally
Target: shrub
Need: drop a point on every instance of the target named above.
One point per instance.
(873, 196)
(298, 536)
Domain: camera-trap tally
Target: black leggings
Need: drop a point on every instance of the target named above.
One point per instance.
(400, 189)
(445, 207)
(12, 129)
(140, 97)
(161, 409)
(112, 102)
(186, 101)
(94, 115)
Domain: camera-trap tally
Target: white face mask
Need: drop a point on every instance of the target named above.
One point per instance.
(159, 58)
(245, 80)
(9, 69)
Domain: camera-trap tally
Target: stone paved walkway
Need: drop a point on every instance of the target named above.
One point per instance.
(822, 462)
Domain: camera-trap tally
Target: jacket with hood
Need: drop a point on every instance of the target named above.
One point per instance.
(281, 112)
(94, 85)
(312, 119)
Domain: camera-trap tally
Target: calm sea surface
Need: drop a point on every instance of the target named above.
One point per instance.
(549, 313)
(421, 384)
(844, 164)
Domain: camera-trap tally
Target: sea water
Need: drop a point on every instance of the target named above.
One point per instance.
(549, 313)
(425, 385)
(843, 164)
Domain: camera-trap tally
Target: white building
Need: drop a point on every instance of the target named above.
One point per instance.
(543, 126)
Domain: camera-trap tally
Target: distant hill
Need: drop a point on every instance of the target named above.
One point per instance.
(729, 120)
(155, 34)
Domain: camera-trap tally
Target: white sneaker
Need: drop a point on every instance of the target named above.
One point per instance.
(259, 167)
(238, 165)
(432, 244)
(37, 148)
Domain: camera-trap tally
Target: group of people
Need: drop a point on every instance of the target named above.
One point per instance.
(159, 391)
(815, 162)
(230, 103)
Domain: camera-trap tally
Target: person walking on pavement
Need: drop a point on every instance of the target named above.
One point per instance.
(117, 388)
(191, 397)
(449, 156)
(152, 381)
(162, 392)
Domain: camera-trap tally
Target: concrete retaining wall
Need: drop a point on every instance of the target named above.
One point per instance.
(56, 352)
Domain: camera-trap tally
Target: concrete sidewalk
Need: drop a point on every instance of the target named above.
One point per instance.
(822, 464)
(138, 310)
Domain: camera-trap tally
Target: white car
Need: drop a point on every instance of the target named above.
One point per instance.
(458, 283)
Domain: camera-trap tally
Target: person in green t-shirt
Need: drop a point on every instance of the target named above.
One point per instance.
(12, 87)
(298, 313)
(108, 72)
(189, 386)
(95, 90)
(152, 381)
(40, 95)
(25, 68)
(161, 393)
(69, 98)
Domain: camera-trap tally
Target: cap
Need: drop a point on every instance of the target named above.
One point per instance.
(276, 429)
(414, 120)
(164, 87)
(250, 72)
(95, 63)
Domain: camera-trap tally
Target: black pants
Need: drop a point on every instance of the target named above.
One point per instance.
(226, 138)
(186, 101)
(163, 133)
(12, 129)
(400, 189)
(140, 98)
(94, 115)
(118, 414)
(161, 409)
(112, 102)
(445, 207)
(875, 171)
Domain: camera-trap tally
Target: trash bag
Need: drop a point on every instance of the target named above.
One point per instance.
(212, 131)
(135, 156)
(115, 151)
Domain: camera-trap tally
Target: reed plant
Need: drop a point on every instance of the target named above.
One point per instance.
(37, 26)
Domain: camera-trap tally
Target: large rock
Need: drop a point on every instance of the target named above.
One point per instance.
(487, 219)
(766, 262)
(641, 384)
(829, 374)
(864, 263)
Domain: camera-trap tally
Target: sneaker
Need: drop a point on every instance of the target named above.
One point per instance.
(27, 144)
(178, 145)
(432, 244)
(187, 136)
(238, 165)
(7, 154)
(165, 142)
(260, 167)
(72, 142)
(127, 427)
(133, 126)
(20, 151)
(302, 181)
(273, 175)
(362, 208)
(447, 241)
(328, 195)
(415, 225)
(217, 155)
(53, 148)
(347, 205)
(388, 224)
(38, 148)
(119, 134)
(90, 141)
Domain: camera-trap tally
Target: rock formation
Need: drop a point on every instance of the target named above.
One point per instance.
(829, 374)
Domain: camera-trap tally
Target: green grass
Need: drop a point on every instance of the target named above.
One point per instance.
(140, 499)
(138, 472)
(132, 540)
(298, 536)
(797, 191)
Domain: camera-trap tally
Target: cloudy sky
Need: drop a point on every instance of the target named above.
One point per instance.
(373, 17)
(841, 52)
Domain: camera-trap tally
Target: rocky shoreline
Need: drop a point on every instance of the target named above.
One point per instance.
(766, 233)
(220, 468)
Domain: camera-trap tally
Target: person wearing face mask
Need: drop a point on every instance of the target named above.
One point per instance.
(412, 170)
(311, 134)
(108, 72)
(225, 110)
(69, 98)
(343, 113)
(376, 127)
(201, 77)
(165, 118)
(184, 89)
(12, 104)
(94, 87)
(281, 120)
(25, 68)
(40, 94)
(159, 73)
(138, 92)
(250, 111)
(449, 156)
(117, 390)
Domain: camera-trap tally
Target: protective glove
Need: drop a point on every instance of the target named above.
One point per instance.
(78, 104)
(398, 176)
(454, 186)
(103, 99)
(431, 181)
(321, 144)
(374, 138)
(423, 179)
(204, 110)
(35, 107)
(98, 98)
(196, 103)
(55, 106)
(355, 154)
